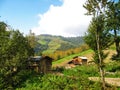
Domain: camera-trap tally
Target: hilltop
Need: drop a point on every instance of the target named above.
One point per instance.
(49, 43)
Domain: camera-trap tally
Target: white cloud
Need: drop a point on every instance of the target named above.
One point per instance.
(66, 20)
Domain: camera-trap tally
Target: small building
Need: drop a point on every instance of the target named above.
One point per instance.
(78, 60)
(40, 64)
(84, 59)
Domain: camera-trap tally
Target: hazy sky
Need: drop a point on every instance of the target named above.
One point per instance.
(56, 17)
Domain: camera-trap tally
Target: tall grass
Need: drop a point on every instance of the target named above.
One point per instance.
(72, 79)
(66, 79)
(113, 69)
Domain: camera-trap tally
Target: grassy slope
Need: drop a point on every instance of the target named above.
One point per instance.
(43, 42)
(84, 53)
(54, 43)
(71, 56)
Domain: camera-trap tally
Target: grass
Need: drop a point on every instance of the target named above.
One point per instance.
(52, 47)
(113, 68)
(48, 51)
(42, 42)
(71, 56)
(112, 47)
(72, 79)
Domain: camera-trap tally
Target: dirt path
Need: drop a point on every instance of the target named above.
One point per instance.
(111, 81)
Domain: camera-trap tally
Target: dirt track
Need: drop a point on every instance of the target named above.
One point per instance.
(111, 81)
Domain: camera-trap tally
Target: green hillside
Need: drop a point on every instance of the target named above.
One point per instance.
(49, 44)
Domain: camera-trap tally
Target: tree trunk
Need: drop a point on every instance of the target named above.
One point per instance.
(117, 44)
(117, 48)
(100, 60)
(102, 77)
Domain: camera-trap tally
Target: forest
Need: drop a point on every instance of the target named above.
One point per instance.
(102, 35)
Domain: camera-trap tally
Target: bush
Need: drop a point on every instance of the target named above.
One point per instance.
(68, 79)
(113, 67)
(72, 79)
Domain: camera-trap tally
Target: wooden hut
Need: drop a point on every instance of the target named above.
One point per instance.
(40, 64)
(78, 60)
(84, 59)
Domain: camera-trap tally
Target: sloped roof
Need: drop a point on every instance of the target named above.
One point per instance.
(36, 58)
(83, 57)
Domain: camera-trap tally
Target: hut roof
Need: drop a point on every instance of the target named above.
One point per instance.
(83, 57)
(36, 58)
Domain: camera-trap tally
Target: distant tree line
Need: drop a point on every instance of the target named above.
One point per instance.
(59, 54)
(75, 40)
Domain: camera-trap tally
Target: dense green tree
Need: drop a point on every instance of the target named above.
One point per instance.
(14, 52)
(106, 38)
(113, 22)
(97, 9)
(31, 39)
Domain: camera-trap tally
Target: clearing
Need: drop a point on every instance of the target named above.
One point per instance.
(87, 53)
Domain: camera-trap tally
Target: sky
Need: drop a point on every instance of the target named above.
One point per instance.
(56, 17)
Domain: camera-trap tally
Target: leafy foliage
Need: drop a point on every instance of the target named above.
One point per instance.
(97, 9)
(31, 39)
(14, 51)
(105, 38)
(113, 23)
(61, 54)
(74, 40)
(72, 79)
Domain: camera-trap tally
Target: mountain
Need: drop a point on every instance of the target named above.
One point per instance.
(49, 44)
